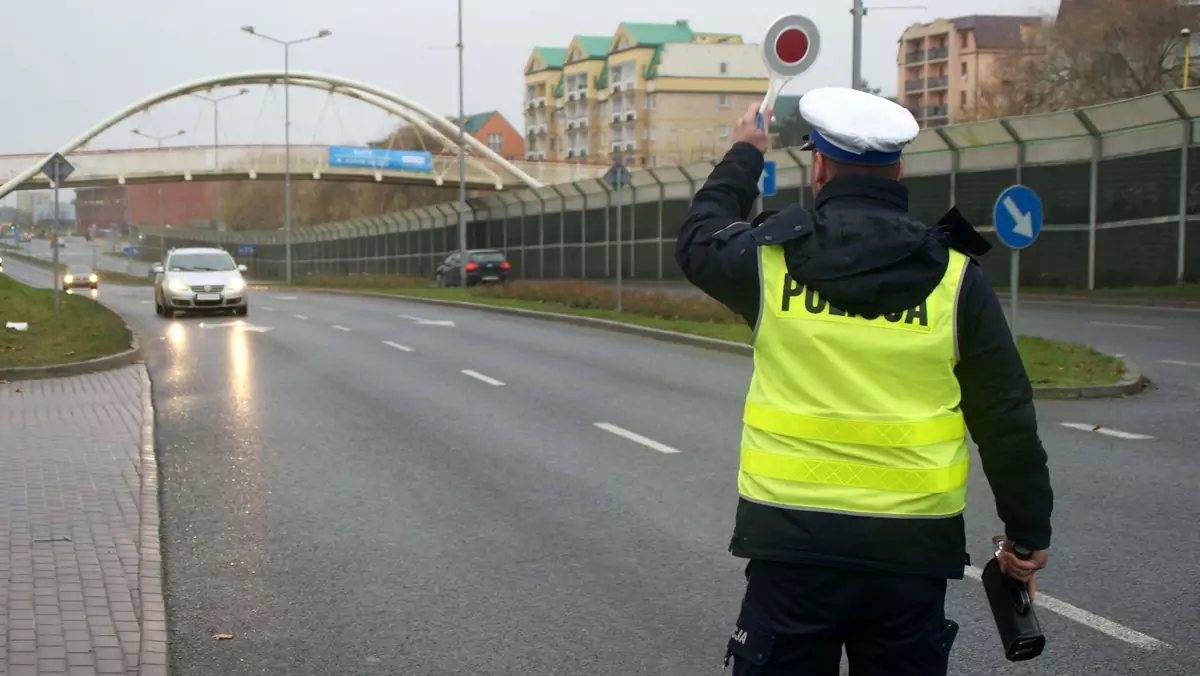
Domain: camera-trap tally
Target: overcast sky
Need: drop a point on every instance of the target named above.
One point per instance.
(70, 63)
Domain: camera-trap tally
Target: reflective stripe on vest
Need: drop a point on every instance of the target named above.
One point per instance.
(854, 414)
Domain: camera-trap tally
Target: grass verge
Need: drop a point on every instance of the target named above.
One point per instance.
(1048, 362)
(109, 276)
(84, 329)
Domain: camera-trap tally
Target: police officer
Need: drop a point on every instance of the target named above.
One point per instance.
(877, 343)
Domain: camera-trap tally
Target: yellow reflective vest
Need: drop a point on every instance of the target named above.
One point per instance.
(854, 414)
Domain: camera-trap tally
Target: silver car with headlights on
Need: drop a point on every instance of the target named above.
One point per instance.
(199, 279)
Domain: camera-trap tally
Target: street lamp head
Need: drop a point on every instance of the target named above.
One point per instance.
(180, 132)
(324, 33)
(243, 90)
(248, 29)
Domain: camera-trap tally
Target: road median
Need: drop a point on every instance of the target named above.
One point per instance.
(86, 336)
(1057, 370)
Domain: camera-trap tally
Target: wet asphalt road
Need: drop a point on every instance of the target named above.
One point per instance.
(343, 498)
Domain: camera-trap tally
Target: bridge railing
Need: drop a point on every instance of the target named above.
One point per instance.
(1119, 183)
(243, 161)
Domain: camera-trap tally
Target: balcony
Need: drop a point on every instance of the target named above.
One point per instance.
(617, 117)
(630, 115)
(939, 53)
(616, 146)
(914, 85)
(619, 87)
(941, 82)
(935, 112)
(914, 57)
(536, 102)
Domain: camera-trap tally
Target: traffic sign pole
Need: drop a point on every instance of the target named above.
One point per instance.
(617, 177)
(1018, 218)
(57, 169)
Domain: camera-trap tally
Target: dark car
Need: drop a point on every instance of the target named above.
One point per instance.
(78, 276)
(484, 266)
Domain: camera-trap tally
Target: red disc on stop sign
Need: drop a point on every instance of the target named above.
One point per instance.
(791, 46)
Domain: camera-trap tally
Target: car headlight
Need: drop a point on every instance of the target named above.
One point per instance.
(177, 286)
(93, 278)
(236, 285)
(67, 279)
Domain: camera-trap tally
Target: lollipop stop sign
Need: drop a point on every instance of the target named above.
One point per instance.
(790, 49)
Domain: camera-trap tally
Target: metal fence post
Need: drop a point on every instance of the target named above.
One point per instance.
(582, 230)
(562, 232)
(541, 235)
(1184, 183)
(954, 163)
(662, 197)
(1093, 193)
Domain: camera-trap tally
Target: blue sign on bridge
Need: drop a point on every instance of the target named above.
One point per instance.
(380, 158)
(130, 251)
(245, 250)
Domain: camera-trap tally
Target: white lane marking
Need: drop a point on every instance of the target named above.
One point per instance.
(300, 317)
(1087, 427)
(1127, 326)
(268, 309)
(1175, 362)
(339, 327)
(482, 378)
(1100, 624)
(633, 436)
(428, 322)
(146, 302)
(398, 346)
(284, 297)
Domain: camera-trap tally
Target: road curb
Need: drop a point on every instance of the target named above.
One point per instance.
(1132, 383)
(132, 355)
(1143, 303)
(152, 656)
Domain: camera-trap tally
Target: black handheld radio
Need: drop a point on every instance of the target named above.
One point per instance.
(1020, 632)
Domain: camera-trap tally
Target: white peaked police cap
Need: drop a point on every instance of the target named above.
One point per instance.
(855, 127)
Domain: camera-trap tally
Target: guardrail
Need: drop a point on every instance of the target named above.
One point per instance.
(1120, 186)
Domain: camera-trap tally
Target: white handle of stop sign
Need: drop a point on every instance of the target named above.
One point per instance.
(774, 88)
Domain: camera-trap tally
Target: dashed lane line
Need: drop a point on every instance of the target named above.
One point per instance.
(339, 327)
(398, 346)
(300, 317)
(1152, 327)
(635, 437)
(482, 378)
(284, 297)
(268, 309)
(1175, 362)
(1088, 427)
(1091, 620)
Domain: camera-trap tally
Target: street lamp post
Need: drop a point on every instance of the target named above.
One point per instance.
(858, 11)
(462, 159)
(217, 146)
(287, 139)
(162, 227)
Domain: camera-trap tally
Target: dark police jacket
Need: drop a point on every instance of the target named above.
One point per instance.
(867, 255)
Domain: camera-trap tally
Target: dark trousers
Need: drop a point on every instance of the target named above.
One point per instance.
(795, 620)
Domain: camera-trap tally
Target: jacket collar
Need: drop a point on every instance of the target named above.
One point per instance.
(885, 192)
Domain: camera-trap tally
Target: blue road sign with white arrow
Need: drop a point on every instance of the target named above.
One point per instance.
(245, 249)
(766, 183)
(130, 251)
(1018, 217)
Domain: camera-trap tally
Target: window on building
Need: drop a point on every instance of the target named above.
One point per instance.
(724, 68)
(653, 101)
(964, 70)
(723, 131)
(963, 98)
(964, 39)
(723, 101)
(495, 142)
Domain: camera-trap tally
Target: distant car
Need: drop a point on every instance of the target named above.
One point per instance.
(80, 276)
(484, 266)
(199, 279)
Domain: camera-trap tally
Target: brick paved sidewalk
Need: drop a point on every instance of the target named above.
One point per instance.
(80, 568)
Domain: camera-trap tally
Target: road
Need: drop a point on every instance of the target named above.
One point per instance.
(80, 251)
(362, 486)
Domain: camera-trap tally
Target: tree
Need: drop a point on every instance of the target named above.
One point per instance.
(1098, 51)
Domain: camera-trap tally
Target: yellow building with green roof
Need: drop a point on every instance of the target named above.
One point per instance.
(650, 94)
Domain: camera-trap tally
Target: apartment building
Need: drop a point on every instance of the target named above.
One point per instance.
(942, 65)
(649, 95)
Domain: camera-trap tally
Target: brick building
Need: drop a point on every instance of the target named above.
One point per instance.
(493, 130)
